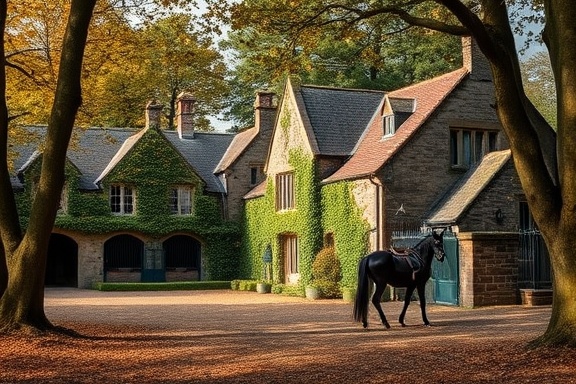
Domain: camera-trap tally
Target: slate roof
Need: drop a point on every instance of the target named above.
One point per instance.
(203, 153)
(373, 151)
(457, 200)
(95, 151)
(240, 142)
(90, 151)
(338, 116)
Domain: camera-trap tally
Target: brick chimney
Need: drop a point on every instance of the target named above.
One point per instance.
(474, 60)
(265, 107)
(153, 114)
(184, 115)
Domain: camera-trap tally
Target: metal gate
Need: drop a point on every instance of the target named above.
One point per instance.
(445, 275)
(534, 269)
(534, 262)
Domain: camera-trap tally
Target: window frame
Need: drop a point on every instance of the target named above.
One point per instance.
(388, 125)
(125, 200)
(285, 192)
(177, 197)
(469, 145)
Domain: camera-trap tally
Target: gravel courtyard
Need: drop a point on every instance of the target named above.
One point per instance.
(245, 337)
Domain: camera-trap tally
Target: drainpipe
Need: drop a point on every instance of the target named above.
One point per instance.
(376, 182)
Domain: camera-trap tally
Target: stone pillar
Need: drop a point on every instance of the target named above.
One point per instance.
(488, 268)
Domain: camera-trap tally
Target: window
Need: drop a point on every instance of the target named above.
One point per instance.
(121, 199)
(389, 125)
(284, 191)
(467, 147)
(256, 173)
(181, 200)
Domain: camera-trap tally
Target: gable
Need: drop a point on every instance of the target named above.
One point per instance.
(148, 157)
(292, 131)
(372, 151)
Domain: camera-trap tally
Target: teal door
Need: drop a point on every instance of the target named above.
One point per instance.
(445, 275)
(153, 265)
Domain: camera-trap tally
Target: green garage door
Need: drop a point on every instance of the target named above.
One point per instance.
(445, 275)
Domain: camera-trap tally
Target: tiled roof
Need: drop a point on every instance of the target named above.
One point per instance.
(90, 150)
(94, 151)
(373, 151)
(338, 116)
(236, 148)
(466, 190)
(257, 191)
(203, 153)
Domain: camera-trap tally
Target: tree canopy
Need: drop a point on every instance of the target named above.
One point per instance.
(545, 161)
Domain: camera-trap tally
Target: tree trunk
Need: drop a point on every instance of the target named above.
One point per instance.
(562, 326)
(22, 304)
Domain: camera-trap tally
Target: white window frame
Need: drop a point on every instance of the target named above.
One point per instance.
(389, 125)
(181, 200)
(126, 204)
(285, 198)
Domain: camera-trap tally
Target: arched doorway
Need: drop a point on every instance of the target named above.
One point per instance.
(182, 255)
(62, 262)
(123, 258)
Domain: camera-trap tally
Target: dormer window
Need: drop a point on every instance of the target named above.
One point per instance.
(389, 125)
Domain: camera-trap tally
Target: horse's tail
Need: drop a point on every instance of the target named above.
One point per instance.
(361, 300)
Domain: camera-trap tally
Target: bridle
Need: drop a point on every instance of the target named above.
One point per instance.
(439, 253)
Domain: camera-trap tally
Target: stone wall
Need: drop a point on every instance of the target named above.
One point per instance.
(488, 268)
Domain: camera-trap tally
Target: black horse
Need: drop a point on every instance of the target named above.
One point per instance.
(411, 270)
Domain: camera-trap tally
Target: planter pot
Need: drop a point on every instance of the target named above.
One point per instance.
(348, 294)
(263, 287)
(312, 293)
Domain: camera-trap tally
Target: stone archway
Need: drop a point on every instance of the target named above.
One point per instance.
(62, 262)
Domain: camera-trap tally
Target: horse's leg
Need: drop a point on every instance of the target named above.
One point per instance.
(422, 297)
(376, 298)
(407, 298)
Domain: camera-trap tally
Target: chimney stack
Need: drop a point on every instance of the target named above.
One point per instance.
(474, 60)
(153, 114)
(184, 115)
(265, 107)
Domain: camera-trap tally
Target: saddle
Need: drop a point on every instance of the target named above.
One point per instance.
(407, 261)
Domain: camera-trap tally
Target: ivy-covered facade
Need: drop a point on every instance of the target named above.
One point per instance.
(137, 205)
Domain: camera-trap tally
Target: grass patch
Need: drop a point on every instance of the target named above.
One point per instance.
(167, 286)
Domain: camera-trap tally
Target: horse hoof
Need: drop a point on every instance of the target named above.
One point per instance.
(428, 325)
(387, 325)
(403, 325)
(365, 325)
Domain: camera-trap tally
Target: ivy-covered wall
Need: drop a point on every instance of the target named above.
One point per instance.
(319, 210)
(263, 225)
(343, 218)
(151, 167)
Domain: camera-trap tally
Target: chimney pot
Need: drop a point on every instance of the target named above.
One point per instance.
(185, 114)
(153, 114)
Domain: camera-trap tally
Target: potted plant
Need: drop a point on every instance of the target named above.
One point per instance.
(263, 287)
(326, 275)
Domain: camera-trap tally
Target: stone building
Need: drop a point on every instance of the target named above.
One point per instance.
(358, 170)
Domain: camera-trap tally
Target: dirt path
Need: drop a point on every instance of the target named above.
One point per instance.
(245, 337)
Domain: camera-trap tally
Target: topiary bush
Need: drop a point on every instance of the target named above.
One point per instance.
(326, 273)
